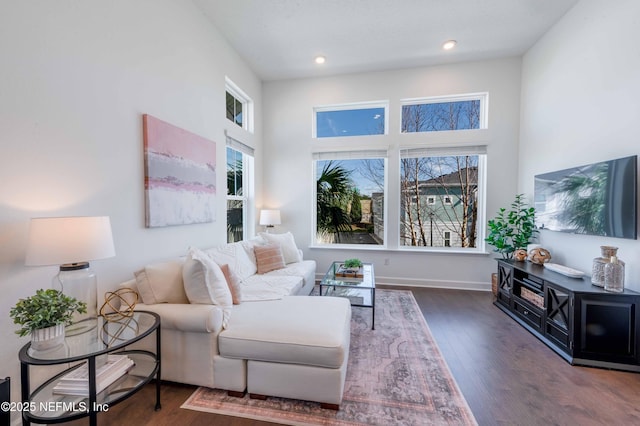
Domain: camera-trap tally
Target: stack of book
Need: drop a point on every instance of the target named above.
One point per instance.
(76, 382)
(345, 272)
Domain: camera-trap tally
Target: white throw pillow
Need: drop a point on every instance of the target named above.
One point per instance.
(161, 283)
(234, 255)
(205, 283)
(287, 244)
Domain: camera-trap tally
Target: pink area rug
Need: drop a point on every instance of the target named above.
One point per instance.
(396, 376)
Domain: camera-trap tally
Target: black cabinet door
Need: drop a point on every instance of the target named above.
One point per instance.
(608, 327)
(559, 323)
(505, 282)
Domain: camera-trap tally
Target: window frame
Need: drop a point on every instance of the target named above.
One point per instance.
(247, 105)
(348, 107)
(443, 151)
(355, 154)
(248, 188)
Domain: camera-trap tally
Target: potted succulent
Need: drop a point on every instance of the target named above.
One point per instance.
(513, 229)
(352, 263)
(44, 316)
(350, 268)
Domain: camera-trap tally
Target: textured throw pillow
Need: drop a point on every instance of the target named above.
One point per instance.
(204, 283)
(233, 282)
(269, 258)
(236, 257)
(286, 243)
(161, 283)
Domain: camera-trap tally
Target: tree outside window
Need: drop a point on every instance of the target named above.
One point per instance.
(350, 201)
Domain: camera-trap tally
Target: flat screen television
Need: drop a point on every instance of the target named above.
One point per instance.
(595, 199)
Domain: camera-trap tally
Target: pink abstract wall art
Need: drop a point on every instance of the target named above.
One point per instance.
(180, 175)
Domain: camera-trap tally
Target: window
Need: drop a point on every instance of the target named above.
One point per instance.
(239, 190)
(239, 106)
(350, 197)
(444, 113)
(350, 120)
(234, 109)
(447, 238)
(448, 186)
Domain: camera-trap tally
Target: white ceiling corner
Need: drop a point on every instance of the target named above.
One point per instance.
(280, 38)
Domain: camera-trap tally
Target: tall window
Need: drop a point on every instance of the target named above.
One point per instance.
(239, 106)
(440, 191)
(350, 120)
(350, 197)
(444, 113)
(239, 190)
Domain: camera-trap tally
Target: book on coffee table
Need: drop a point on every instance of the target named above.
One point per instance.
(345, 272)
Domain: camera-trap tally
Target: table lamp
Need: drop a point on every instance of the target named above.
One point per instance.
(71, 242)
(269, 218)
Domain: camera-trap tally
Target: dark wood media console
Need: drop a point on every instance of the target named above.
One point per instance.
(581, 322)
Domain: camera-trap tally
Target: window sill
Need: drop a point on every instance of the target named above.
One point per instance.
(434, 250)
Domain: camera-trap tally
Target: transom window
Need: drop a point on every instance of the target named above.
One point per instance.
(444, 113)
(350, 120)
(234, 109)
(239, 106)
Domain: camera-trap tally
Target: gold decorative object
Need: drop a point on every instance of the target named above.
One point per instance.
(520, 255)
(119, 329)
(119, 304)
(540, 256)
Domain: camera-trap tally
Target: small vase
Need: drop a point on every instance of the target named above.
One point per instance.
(597, 271)
(614, 276)
(44, 339)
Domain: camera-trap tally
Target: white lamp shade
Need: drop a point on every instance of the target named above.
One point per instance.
(63, 240)
(269, 217)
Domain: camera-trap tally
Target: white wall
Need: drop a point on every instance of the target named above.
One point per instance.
(289, 183)
(75, 79)
(581, 104)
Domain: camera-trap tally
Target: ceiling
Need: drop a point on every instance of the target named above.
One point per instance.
(280, 38)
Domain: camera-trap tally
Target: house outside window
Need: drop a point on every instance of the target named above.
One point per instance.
(239, 191)
(349, 198)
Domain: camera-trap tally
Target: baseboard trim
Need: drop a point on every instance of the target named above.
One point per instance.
(415, 282)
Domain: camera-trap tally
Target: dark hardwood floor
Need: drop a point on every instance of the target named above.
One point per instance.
(507, 376)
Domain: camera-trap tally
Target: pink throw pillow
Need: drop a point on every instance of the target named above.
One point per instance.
(269, 258)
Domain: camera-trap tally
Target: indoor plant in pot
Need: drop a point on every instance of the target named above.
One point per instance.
(512, 229)
(44, 316)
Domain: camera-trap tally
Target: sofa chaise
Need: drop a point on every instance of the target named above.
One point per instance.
(275, 341)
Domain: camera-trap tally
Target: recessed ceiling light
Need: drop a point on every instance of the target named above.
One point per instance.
(449, 44)
(320, 59)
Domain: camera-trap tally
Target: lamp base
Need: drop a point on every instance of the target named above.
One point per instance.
(79, 281)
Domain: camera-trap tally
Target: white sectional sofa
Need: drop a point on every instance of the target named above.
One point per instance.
(277, 330)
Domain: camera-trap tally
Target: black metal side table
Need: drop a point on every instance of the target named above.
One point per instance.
(88, 350)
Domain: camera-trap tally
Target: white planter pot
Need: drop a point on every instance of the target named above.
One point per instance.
(47, 338)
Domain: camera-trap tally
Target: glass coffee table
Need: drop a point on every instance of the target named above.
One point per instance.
(357, 286)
